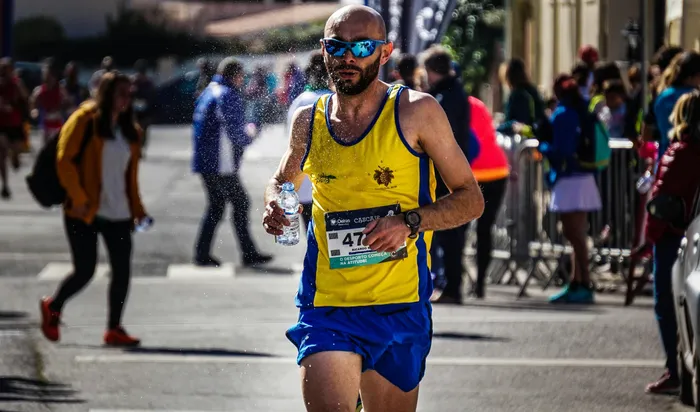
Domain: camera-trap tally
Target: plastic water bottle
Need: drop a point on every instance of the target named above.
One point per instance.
(645, 183)
(144, 224)
(289, 202)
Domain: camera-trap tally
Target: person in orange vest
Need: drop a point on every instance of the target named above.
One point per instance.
(491, 170)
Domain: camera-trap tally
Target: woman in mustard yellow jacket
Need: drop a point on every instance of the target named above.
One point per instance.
(102, 198)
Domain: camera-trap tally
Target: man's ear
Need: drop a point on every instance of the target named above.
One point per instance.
(387, 49)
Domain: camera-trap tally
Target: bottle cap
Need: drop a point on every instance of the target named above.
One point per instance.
(288, 186)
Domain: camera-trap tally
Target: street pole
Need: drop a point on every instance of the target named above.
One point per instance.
(508, 47)
(406, 28)
(387, 20)
(645, 40)
(7, 11)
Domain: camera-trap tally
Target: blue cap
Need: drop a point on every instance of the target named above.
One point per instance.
(288, 186)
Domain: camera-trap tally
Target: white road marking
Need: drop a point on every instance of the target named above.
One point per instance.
(132, 358)
(163, 323)
(526, 317)
(145, 280)
(11, 333)
(553, 362)
(35, 256)
(189, 271)
(435, 361)
(141, 410)
(59, 270)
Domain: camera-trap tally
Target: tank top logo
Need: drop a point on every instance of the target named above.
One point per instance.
(323, 178)
(384, 176)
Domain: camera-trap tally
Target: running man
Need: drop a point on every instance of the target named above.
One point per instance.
(365, 317)
(49, 101)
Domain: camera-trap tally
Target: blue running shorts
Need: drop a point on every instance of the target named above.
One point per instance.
(393, 340)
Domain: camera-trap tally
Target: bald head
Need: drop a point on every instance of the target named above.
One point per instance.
(356, 23)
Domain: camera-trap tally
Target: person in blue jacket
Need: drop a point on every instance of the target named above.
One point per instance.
(683, 77)
(220, 139)
(574, 192)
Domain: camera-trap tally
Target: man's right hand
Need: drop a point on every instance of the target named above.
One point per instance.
(274, 219)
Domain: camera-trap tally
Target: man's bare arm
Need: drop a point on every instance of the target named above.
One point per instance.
(466, 201)
(289, 170)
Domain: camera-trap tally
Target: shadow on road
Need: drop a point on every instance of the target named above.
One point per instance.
(535, 305)
(638, 304)
(272, 270)
(468, 336)
(12, 315)
(17, 389)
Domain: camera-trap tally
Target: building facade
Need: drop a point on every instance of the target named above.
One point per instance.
(682, 26)
(547, 34)
(79, 17)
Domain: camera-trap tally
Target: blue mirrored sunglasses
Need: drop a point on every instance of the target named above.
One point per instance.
(359, 49)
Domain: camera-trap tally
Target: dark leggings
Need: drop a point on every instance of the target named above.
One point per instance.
(83, 244)
(223, 189)
(665, 254)
(452, 242)
(493, 197)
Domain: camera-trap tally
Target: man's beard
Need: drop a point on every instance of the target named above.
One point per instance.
(346, 87)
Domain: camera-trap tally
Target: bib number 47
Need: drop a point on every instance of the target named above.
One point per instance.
(348, 239)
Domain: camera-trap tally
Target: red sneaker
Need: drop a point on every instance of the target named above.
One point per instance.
(50, 321)
(119, 337)
(666, 385)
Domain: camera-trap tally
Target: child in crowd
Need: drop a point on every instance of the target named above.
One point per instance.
(613, 113)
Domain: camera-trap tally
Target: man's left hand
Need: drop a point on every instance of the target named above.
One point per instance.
(387, 234)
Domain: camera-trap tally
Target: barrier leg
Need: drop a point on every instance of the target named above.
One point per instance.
(531, 273)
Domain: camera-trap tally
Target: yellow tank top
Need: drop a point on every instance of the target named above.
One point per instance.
(376, 175)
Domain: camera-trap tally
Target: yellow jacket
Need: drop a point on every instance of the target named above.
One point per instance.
(83, 181)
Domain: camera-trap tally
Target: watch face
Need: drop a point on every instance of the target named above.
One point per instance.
(413, 219)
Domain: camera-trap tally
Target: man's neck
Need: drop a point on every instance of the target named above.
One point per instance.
(359, 105)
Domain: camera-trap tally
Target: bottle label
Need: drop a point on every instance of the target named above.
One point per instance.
(344, 235)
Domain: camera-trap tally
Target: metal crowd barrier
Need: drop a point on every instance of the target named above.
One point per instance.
(528, 238)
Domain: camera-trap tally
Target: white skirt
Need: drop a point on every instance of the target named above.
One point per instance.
(575, 194)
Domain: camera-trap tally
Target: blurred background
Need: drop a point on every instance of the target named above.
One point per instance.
(275, 36)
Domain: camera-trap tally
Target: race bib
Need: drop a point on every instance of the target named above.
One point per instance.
(344, 236)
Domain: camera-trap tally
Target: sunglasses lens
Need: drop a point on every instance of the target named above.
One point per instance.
(335, 48)
(360, 49)
(364, 48)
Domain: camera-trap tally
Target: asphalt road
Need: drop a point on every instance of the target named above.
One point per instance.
(214, 342)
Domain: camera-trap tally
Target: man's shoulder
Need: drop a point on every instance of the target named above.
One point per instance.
(417, 107)
(302, 115)
(415, 101)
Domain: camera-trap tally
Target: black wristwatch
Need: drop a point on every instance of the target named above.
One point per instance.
(412, 220)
